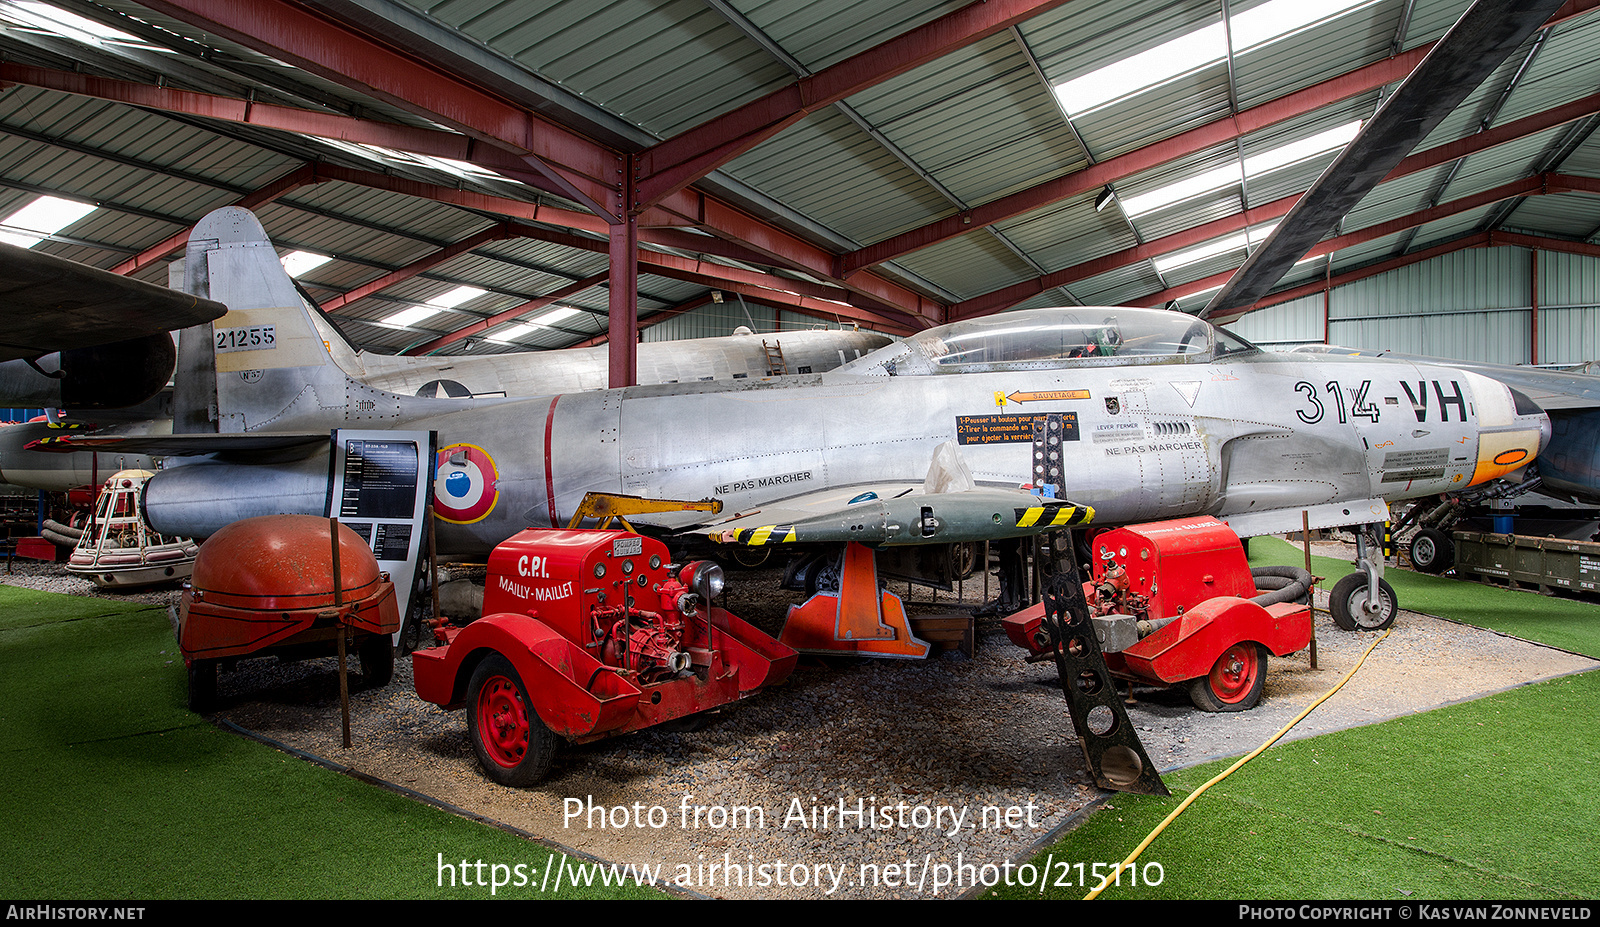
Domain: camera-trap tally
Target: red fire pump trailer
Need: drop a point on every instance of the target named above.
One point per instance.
(1176, 601)
(586, 634)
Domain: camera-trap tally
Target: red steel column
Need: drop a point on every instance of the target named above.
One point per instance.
(623, 327)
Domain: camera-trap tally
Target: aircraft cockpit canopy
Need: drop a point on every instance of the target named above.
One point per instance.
(1055, 338)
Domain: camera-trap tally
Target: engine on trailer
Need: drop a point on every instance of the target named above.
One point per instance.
(1112, 593)
(587, 634)
(610, 592)
(1177, 601)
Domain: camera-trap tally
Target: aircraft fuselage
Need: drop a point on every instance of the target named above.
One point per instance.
(1140, 443)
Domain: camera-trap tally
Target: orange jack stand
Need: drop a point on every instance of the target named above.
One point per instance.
(859, 619)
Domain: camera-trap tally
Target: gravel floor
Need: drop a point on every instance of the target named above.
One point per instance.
(952, 735)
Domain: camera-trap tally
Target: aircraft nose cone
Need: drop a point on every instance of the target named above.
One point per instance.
(1510, 446)
(1529, 414)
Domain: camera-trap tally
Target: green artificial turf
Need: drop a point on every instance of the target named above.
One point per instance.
(115, 791)
(1490, 799)
(1571, 624)
(1494, 798)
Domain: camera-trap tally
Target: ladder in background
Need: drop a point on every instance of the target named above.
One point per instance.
(776, 365)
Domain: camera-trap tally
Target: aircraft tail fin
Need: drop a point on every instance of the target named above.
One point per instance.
(267, 363)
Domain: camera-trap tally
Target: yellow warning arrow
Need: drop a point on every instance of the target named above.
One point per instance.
(1056, 395)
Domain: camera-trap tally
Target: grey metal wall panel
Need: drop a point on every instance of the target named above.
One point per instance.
(1295, 322)
(1496, 337)
(1478, 278)
(714, 321)
(1569, 335)
(1568, 280)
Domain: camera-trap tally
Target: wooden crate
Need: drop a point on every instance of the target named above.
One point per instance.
(946, 632)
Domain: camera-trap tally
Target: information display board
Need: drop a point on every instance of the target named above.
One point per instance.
(380, 488)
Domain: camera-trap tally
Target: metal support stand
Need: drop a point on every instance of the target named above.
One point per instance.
(1311, 591)
(344, 632)
(1110, 745)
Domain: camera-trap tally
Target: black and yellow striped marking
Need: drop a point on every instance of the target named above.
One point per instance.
(760, 537)
(1054, 515)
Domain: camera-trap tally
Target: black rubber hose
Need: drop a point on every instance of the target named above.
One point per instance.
(64, 530)
(1283, 584)
(58, 539)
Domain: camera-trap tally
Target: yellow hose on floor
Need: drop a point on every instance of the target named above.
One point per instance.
(1111, 879)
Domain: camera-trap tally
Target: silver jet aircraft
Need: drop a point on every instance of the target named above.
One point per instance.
(987, 429)
(94, 382)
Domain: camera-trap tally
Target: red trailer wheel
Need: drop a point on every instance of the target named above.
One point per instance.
(513, 745)
(1234, 683)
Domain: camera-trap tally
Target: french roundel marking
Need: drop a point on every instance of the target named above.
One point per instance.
(463, 494)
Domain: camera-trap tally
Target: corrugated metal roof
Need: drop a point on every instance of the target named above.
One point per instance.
(868, 193)
(964, 130)
(980, 121)
(970, 265)
(1315, 54)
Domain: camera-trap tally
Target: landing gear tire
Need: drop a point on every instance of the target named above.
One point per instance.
(1235, 680)
(1432, 551)
(964, 559)
(1348, 603)
(202, 686)
(751, 558)
(513, 746)
(377, 660)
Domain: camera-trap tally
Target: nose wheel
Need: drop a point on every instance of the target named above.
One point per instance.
(1352, 610)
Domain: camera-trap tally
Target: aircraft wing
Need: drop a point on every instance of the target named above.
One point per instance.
(53, 304)
(1487, 33)
(896, 514)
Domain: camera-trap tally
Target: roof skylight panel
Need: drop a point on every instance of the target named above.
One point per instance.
(558, 314)
(298, 263)
(448, 300)
(550, 318)
(1197, 49)
(40, 219)
(511, 334)
(1255, 165)
(1214, 247)
(49, 19)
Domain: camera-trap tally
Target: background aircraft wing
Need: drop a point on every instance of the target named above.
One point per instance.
(53, 304)
(896, 514)
(1551, 390)
(1478, 43)
(279, 446)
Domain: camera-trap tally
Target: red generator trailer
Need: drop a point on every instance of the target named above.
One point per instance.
(265, 587)
(1177, 602)
(587, 634)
